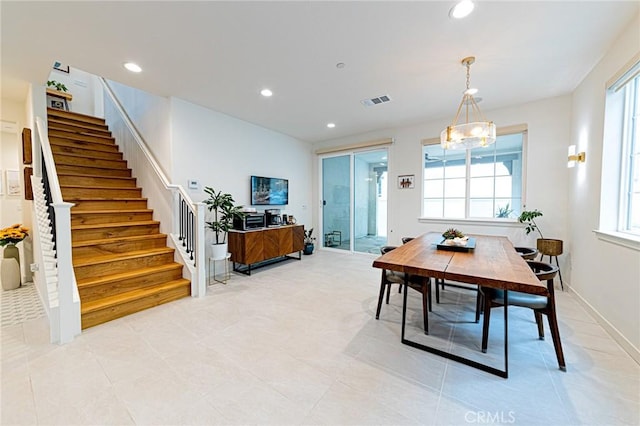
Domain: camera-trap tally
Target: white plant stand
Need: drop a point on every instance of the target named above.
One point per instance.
(224, 276)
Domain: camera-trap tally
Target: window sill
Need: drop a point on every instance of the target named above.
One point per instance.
(505, 223)
(619, 238)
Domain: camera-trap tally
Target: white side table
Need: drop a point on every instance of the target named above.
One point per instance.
(225, 275)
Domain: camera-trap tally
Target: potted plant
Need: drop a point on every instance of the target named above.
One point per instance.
(504, 212)
(10, 268)
(224, 211)
(546, 246)
(308, 241)
(56, 86)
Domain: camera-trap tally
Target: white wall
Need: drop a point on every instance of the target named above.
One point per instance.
(548, 125)
(151, 116)
(606, 276)
(14, 208)
(223, 152)
(82, 86)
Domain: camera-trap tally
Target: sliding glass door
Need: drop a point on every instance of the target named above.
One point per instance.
(354, 201)
(336, 202)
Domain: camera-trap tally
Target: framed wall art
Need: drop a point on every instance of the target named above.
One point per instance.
(27, 155)
(13, 182)
(58, 66)
(406, 181)
(28, 190)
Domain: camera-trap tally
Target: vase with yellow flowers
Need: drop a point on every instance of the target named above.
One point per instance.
(9, 237)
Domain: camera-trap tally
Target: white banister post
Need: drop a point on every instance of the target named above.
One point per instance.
(69, 313)
(201, 270)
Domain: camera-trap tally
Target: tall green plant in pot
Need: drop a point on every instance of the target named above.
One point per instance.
(224, 211)
(528, 218)
(546, 246)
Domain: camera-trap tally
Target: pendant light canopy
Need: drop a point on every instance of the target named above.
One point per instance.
(469, 134)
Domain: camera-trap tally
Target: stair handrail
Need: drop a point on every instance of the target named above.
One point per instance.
(47, 158)
(68, 319)
(181, 198)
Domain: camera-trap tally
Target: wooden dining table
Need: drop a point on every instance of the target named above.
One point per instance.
(492, 263)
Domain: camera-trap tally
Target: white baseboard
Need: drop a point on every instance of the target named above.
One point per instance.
(609, 328)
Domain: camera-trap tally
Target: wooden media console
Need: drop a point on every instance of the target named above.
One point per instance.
(259, 246)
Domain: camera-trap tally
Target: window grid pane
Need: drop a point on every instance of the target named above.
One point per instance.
(487, 182)
(630, 205)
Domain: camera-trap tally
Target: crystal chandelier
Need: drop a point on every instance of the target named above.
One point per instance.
(469, 134)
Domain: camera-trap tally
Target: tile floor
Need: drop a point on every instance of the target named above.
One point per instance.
(298, 343)
(20, 305)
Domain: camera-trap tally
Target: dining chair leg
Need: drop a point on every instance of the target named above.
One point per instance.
(485, 323)
(555, 334)
(429, 293)
(437, 291)
(388, 291)
(538, 316)
(380, 296)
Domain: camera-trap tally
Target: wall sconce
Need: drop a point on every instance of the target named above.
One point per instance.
(580, 157)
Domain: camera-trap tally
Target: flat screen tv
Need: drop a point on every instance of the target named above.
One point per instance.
(268, 191)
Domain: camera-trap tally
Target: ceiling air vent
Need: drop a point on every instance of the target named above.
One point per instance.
(376, 101)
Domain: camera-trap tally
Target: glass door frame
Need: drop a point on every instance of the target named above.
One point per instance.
(352, 154)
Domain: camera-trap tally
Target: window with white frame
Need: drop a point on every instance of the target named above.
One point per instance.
(628, 88)
(480, 183)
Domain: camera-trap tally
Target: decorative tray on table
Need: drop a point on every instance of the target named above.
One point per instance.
(457, 244)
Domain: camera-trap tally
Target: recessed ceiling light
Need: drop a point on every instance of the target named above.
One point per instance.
(340, 65)
(462, 9)
(266, 93)
(133, 67)
(331, 125)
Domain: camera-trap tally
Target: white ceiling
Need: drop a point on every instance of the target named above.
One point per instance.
(220, 54)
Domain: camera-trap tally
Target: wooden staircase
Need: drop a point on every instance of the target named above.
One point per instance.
(121, 261)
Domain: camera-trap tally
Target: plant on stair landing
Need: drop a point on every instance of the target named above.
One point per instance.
(58, 86)
(224, 211)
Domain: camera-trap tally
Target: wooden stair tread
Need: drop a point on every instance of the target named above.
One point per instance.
(78, 131)
(85, 212)
(96, 176)
(71, 154)
(93, 127)
(87, 243)
(122, 298)
(74, 115)
(99, 187)
(74, 135)
(64, 140)
(105, 279)
(105, 199)
(115, 224)
(106, 258)
(93, 168)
